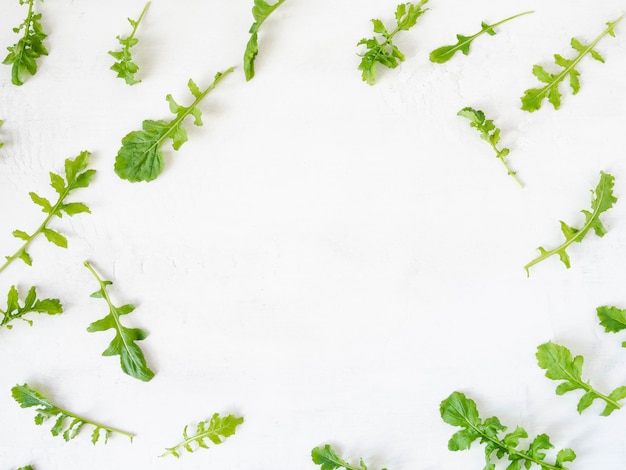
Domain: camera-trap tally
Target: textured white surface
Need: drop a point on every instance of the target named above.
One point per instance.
(328, 259)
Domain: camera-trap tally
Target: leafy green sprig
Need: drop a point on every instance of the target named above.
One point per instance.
(458, 410)
(15, 311)
(214, 430)
(386, 52)
(260, 11)
(28, 397)
(76, 176)
(613, 319)
(602, 200)
(27, 467)
(125, 67)
(23, 55)
(533, 97)
(328, 459)
(132, 360)
(491, 134)
(140, 157)
(445, 53)
(559, 364)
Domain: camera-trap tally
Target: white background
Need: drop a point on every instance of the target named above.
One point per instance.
(327, 259)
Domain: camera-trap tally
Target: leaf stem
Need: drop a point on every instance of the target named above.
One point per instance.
(136, 23)
(501, 157)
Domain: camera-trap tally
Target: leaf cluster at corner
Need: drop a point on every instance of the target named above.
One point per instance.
(31, 304)
(125, 67)
(260, 11)
(386, 52)
(328, 459)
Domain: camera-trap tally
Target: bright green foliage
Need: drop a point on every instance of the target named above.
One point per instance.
(76, 176)
(329, 460)
(215, 431)
(123, 344)
(67, 424)
(140, 157)
(260, 11)
(31, 304)
(489, 133)
(445, 53)
(458, 410)
(27, 467)
(613, 319)
(23, 55)
(532, 99)
(602, 200)
(386, 52)
(125, 67)
(559, 365)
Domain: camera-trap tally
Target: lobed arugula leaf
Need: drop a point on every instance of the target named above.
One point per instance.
(67, 424)
(559, 365)
(76, 176)
(140, 157)
(260, 11)
(613, 319)
(445, 53)
(132, 360)
(489, 133)
(386, 52)
(533, 97)
(214, 430)
(23, 55)
(125, 67)
(31, 304)
(329, 460)
(602, 200)
(458, 410)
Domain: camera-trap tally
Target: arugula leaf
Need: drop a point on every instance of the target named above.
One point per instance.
(458, 410)
(23, 55)
(602, 200)
(132, 360)
(27, 467)
(559, 365)
(329, 460)
(533, 97)
(76, 176)
(386, 52)
(260, 11)
(31, 304)
(28, 397)
(489, 133)
(445, 53)
(140, 157)
(613, 319)
(215, 431)
(125, 67)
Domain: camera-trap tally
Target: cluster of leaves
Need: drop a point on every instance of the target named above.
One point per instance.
(386, 52)
(23, 55)
(124, 343)
(214, 430)
(31, 304)
(602, 199)
(532, 99)
(559, 364)
(328, 459)
(445, 53)
(125, 67)
(76, 176)
(458, 410)
(489, 133)
(28, 397)
(613, 319)
(140, 157)
(260, 11)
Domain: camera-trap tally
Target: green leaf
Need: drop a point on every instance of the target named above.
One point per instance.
(445, 53)
(260, 11)
(613, 319)
(140, 157)
(533, 97)
(215, 430)
(55, 237)
(132, 360)
(124, 66)
(31, 304)
(21, 235)
(41, 201)
(74, 208)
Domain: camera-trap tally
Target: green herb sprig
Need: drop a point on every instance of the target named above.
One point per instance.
(32, 304)
(28, 397)
(125, 67)
(386, 52)
(533, 97)
(328, 459)
(260, 11)
(613, 319)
